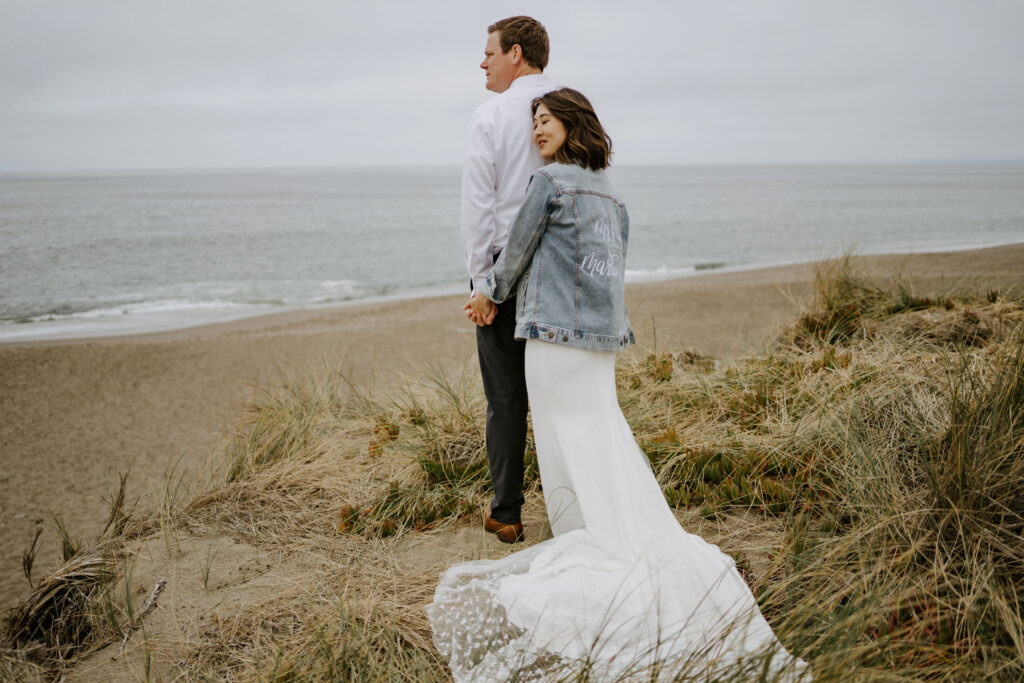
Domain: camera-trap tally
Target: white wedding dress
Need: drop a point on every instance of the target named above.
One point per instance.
(621, 588)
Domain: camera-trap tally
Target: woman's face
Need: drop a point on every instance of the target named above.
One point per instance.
(548, 132)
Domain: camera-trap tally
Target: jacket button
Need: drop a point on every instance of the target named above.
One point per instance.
(565, 338)
(551, 335)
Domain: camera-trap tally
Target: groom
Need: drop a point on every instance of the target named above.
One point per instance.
(500, 157)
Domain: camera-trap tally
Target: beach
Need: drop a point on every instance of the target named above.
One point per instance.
(74, 414)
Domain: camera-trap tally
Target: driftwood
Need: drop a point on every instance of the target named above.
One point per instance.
(150, 604)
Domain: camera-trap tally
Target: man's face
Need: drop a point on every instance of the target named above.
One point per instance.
(498, 66)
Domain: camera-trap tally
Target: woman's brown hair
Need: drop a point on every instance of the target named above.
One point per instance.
(586, 143)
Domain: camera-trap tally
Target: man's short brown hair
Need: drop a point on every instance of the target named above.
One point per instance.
(526, 32)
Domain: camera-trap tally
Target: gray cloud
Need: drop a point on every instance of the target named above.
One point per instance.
(146, 85)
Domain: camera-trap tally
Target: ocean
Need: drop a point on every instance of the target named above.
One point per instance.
(101, 254)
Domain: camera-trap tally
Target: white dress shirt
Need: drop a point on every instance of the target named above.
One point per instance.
(500, 158)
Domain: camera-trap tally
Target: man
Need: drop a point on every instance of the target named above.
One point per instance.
(500, 157)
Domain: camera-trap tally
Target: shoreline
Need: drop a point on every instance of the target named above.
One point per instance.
(287, 315)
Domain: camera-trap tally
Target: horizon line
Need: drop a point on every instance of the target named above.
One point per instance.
(381, 166)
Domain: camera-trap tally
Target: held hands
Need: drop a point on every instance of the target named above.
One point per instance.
(480, 310)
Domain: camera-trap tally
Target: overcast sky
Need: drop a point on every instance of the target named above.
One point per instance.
(100, 84)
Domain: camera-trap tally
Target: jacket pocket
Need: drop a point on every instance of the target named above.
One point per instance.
(522, 289)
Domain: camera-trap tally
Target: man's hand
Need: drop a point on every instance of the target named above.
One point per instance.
(480, 310)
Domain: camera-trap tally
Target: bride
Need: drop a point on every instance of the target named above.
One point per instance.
(622, 590)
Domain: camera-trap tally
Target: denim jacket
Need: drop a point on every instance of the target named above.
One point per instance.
(566, 250)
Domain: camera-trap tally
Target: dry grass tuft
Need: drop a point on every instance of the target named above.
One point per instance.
(72, 608)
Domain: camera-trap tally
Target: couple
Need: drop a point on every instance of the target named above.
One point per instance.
(621, 588)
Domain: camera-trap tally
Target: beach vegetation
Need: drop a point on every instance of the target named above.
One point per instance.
(865, 469)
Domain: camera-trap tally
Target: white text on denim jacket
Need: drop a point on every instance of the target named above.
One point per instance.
(608, 265)
(604, 229)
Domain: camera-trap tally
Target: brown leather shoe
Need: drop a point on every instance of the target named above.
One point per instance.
(506, 533)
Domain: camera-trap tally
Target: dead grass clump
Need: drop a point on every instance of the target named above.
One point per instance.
(282, 425)
(439, 426)
(331, 643)
(72, 608)
(906, 301)
(400, 507)
(975, 484)
(849, 305)
(59, 614)
(842, 298)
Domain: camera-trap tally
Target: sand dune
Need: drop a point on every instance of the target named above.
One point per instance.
(76, 413)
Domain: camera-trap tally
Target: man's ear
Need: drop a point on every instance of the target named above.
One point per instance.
(517, 54)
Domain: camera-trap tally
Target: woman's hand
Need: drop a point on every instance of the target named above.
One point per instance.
(480, 309)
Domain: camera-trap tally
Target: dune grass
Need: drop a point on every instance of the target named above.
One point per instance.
(866, 471)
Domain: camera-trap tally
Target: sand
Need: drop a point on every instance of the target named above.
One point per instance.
(76, 413)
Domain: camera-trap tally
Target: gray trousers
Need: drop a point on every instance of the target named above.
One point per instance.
(501, 366)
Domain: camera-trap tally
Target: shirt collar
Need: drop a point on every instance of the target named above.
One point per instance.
(529, 80)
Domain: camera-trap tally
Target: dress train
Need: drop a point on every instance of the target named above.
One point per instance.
(621, 588)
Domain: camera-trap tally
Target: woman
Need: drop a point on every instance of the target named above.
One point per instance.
(621, 587)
